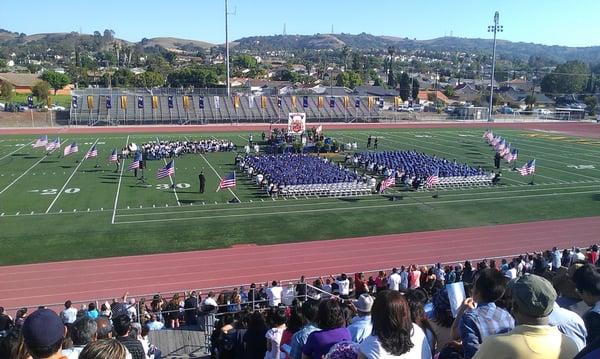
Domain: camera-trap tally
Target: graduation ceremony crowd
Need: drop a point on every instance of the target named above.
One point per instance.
(540, 305)
(170, 149)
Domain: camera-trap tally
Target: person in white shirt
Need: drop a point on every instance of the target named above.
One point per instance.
(274, 294)
(69, 314)
(511, 273)
(343, 285)
(393, 331)
(83, 332)
(394, 280)
(210, 301)
(132, 310)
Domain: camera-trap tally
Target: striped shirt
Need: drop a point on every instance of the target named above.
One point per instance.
(479, 323)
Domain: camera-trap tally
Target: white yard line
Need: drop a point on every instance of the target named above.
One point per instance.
(69, 179)
(20, 148)
(218, 175)
(295, 212)
(171, 179)
(23, 174)
(119, 185)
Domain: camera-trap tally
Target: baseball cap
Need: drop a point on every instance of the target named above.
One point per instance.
(364, 303)
(43, 328)
(533, 295)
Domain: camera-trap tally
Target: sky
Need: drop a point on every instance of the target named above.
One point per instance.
(550, 22)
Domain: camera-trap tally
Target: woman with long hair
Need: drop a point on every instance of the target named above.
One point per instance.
(394, 335)
(417, 313)
(255, 343)
(173, 311)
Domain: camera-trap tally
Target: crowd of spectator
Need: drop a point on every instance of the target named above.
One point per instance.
(541, 305)
(170, 149)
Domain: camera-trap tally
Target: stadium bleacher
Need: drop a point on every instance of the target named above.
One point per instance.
(226, 112)
(561, 277)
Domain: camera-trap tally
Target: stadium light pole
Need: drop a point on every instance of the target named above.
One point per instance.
(495, 29)
(227, 48)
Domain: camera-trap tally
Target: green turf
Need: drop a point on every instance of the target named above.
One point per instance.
(54, 208)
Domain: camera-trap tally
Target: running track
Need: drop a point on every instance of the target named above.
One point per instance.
(50, 283)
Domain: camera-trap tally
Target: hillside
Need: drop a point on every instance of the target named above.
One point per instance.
(361, 41)
(371, 42)
(176, 45)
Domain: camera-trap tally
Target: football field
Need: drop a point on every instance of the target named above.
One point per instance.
(56, 208)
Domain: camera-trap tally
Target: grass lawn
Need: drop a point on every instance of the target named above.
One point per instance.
(54, 208)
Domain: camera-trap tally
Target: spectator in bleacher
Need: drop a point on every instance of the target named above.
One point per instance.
(301, 289)
(343, 285)
(468, 274)
(532, 299)
(104, 349)
(288, 295)
(6, 323)
(556, 258)
(191, 308)
(511, 273)
(568, 297)
(274, 294)
(255, 343)
(327, 286)
(309, 316)
(414, 277)
(154, 323)
(587, 282)
(403, 279)
(132, 309)
(152, 352)
(103, 328)
(439, 272)
(156, 306)
(570, 324)
(360, 327)
(122, 326)
(331, 321)
(381, 281)
(20, 317)
(82, 333)
(441, 318)
(105, 310)
(360, 285)
(69, 314)
(394, 280)
(479, 317)
(294, 323)
(92, 312)
(277, 320)
(415, 300)
(577, 255)
(592, 256)
(172, 312)
(43, 334)
(252, 294)
(394, 335)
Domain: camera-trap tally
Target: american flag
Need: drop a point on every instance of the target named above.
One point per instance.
(51, 146)
(433, 179)
(137, 158)
(114, 157)
(93, 152)
(41, 142)
(501, 145)
(496, 140)
(227, 181)
(512, 156)
(504, 152)
(319, 129)
(72, 148)
(387, 183)
(166, 171)
(528, 168)
(488, 135)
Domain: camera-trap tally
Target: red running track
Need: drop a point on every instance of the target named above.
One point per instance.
(49, 283)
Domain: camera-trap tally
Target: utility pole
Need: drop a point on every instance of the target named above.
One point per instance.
(227, 48)
(495, 29)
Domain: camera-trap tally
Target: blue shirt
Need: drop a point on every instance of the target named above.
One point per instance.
(481, 322)
(299, 339)
(570, 324)
(360, 328)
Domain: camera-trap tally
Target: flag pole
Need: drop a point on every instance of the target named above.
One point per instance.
(532, 179)
(174, 180)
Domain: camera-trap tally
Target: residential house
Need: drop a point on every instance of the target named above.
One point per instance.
(23, 83)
